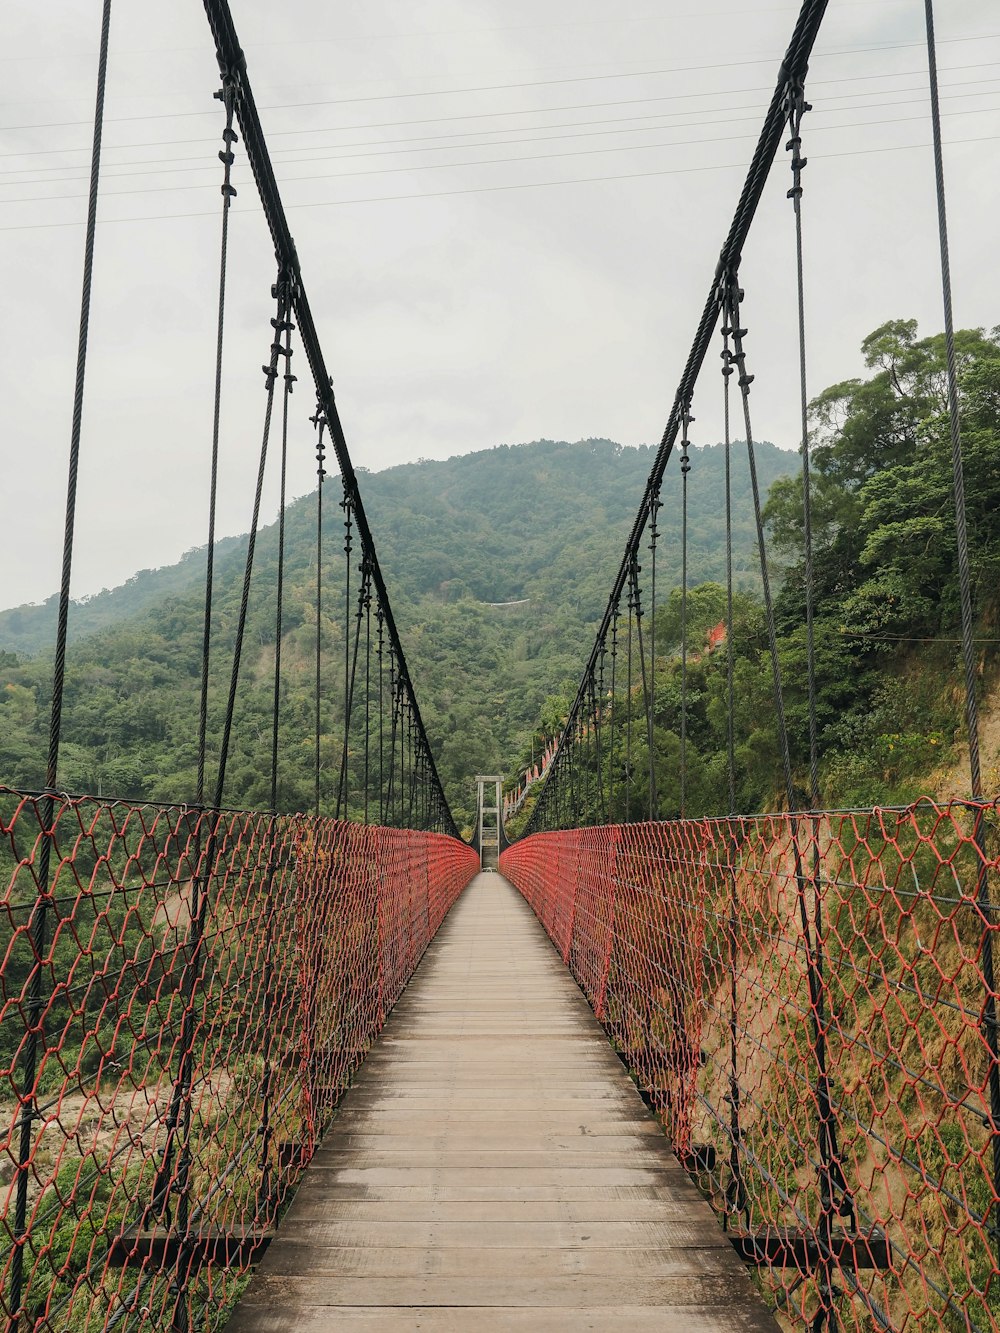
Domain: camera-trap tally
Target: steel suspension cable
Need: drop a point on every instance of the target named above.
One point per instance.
(954, 419)
(736, 1194)
(368, 694)
(628, 699)
(733, 297)
(599, 705)
(727, 373)
(986, 908)
(231, 59)
(282, 295)
(654, 509)
(797, 107)
(319, 421)
(686, 419)
(345, 505)
(352, 672)
(62, 621)
(794, 65)
(832, 1179)
(829, 1152)
(647, 700)
(38, 923)
(614, 710)
(280, 589)
(380, 650)
(227, 157)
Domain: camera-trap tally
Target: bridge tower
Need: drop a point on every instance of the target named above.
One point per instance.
(488, 820)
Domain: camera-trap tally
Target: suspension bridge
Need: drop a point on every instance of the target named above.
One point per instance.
(272, 1069)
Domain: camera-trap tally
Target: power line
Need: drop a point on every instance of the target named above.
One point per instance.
(458, 32)
(904, 638)
(502, 87)
(162, 166)
(495, 189)
(479, 162)
(528, 111)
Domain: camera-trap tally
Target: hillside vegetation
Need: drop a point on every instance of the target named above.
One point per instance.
(889, 679)
(499, 564)
(540, 524)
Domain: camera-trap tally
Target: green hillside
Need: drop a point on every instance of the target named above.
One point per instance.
(889, 676)
(538, 524)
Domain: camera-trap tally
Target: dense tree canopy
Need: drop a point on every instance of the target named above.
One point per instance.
(499, 564)
(886, 597)
(539, 525)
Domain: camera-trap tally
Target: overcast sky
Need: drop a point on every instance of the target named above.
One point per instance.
(507, 213)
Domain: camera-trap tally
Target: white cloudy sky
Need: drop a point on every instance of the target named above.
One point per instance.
(508, 215)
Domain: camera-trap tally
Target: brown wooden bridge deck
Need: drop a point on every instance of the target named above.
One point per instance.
(493, 1167)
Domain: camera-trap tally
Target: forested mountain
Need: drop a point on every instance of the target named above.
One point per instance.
(541, 525)
(889, 675)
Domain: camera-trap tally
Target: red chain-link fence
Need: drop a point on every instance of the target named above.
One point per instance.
(809, 1005)
(184, 997)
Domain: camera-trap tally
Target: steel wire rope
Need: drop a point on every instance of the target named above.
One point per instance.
(445, 32)
(349, 666)
(478, 162)
(493, 189)
(213, 5)
(281, 292)
(655, 506)
(736, 1196)
(379, 652)
(985, 908)
(164, 167)
(230, 55)
(227, 158)
(685, 462)
(630, 604)
(38, 921)
(795, 61)
(797, 106)
(289, 380)
(489, 115)
(351, 682)
(834, 1179)
(319, 422)
(641, 649)
(368, 694)
(263, 1194)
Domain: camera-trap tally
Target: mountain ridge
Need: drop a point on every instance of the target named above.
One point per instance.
(543, 523)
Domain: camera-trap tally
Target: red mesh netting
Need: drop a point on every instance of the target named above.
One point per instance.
(184, 996)
(809, 1005)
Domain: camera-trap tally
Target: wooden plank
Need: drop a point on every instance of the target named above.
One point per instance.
(494, 1167)
(280, 1318)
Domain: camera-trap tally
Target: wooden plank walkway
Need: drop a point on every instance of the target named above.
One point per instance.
(493, 1167)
